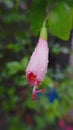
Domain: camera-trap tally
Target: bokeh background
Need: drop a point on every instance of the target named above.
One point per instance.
(53, 109)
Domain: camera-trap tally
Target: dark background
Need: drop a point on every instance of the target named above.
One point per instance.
(17, 42)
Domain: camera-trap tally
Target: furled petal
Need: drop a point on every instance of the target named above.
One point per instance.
(37, 66)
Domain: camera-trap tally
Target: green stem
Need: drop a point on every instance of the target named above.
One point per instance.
(49, 11)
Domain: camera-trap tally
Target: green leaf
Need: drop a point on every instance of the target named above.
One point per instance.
(24, 63)
(21, 80)
(48, 82)
(70, 2)
(13, 16)
(71, 11)
(60, 21)
(37, 15)
(13, 67)
(11, 92)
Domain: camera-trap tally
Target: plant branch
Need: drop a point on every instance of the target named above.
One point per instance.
(71, 55)
(49, 11)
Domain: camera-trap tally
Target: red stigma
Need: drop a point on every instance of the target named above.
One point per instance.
(31, 76)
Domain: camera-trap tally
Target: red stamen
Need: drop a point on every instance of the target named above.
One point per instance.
(42, 90)
(34, 96)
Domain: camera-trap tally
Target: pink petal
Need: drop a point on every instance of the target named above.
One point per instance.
(38, 62)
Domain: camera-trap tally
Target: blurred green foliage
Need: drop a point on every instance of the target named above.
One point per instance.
(16, 45)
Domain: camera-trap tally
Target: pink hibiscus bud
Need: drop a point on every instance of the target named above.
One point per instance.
(37, 67)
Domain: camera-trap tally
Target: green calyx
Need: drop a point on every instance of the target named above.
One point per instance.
(43, 33)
